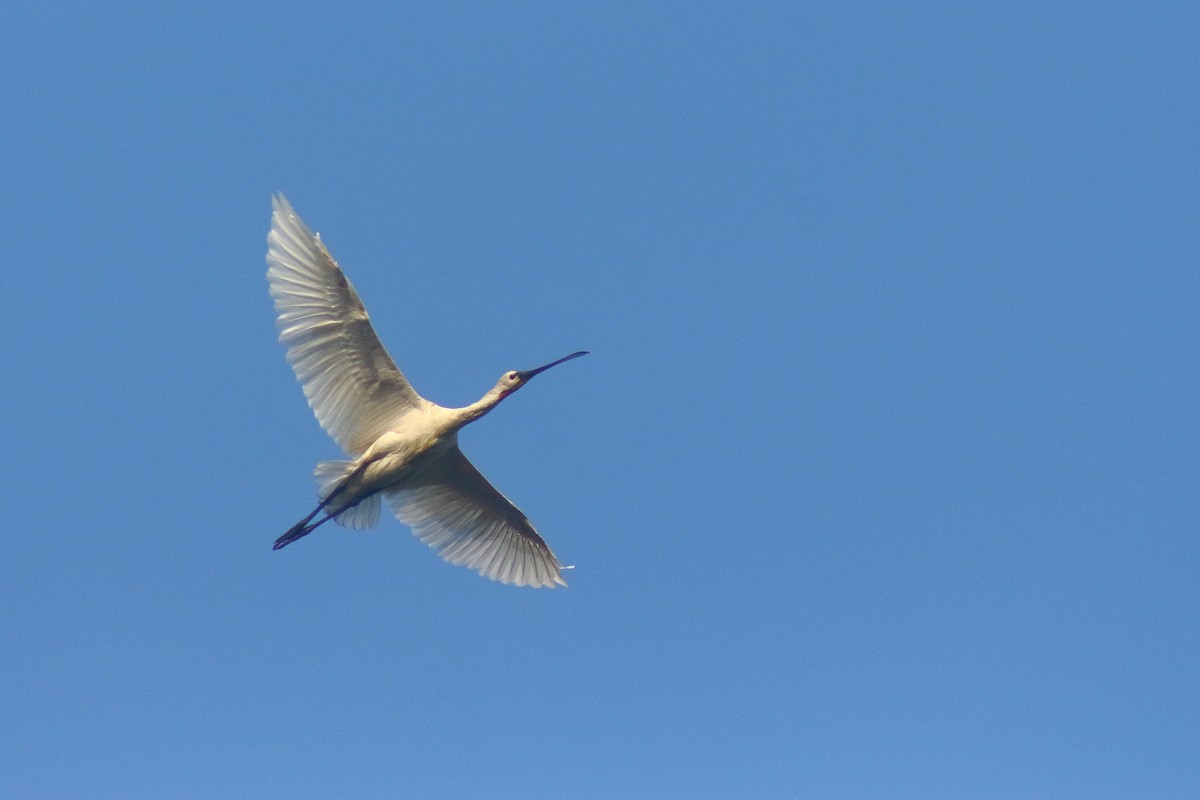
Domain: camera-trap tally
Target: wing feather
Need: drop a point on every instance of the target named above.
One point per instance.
(353, 387)
(458, 513)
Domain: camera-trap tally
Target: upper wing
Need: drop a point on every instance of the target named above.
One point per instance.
(454, 510)
(351, 383)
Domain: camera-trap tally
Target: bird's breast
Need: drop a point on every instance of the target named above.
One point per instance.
(398, 456)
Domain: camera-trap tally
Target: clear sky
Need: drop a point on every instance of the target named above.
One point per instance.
(881, 480)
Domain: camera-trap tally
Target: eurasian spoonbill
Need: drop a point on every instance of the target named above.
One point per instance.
(400, 445)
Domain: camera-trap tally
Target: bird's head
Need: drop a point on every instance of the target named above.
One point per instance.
(515, 379)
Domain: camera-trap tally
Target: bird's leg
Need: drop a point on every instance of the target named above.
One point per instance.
(300, 529)
(303, 528)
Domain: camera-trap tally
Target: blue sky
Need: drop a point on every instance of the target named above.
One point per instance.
(881, 479)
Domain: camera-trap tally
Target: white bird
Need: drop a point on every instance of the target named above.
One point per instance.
(401, 446)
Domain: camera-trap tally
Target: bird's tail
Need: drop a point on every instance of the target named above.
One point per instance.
(332, 478)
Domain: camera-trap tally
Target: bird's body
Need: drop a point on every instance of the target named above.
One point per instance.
(401, 446)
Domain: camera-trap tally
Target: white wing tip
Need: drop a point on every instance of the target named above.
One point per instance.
(546, 580)
(552, 581)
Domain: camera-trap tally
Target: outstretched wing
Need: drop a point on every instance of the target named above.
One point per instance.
(354, 388)
(454, 510)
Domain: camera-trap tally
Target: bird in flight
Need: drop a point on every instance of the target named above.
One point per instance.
(400, 446)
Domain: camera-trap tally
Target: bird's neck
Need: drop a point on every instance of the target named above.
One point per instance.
(477, 409)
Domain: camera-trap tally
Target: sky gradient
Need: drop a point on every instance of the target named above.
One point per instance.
(880, 482)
